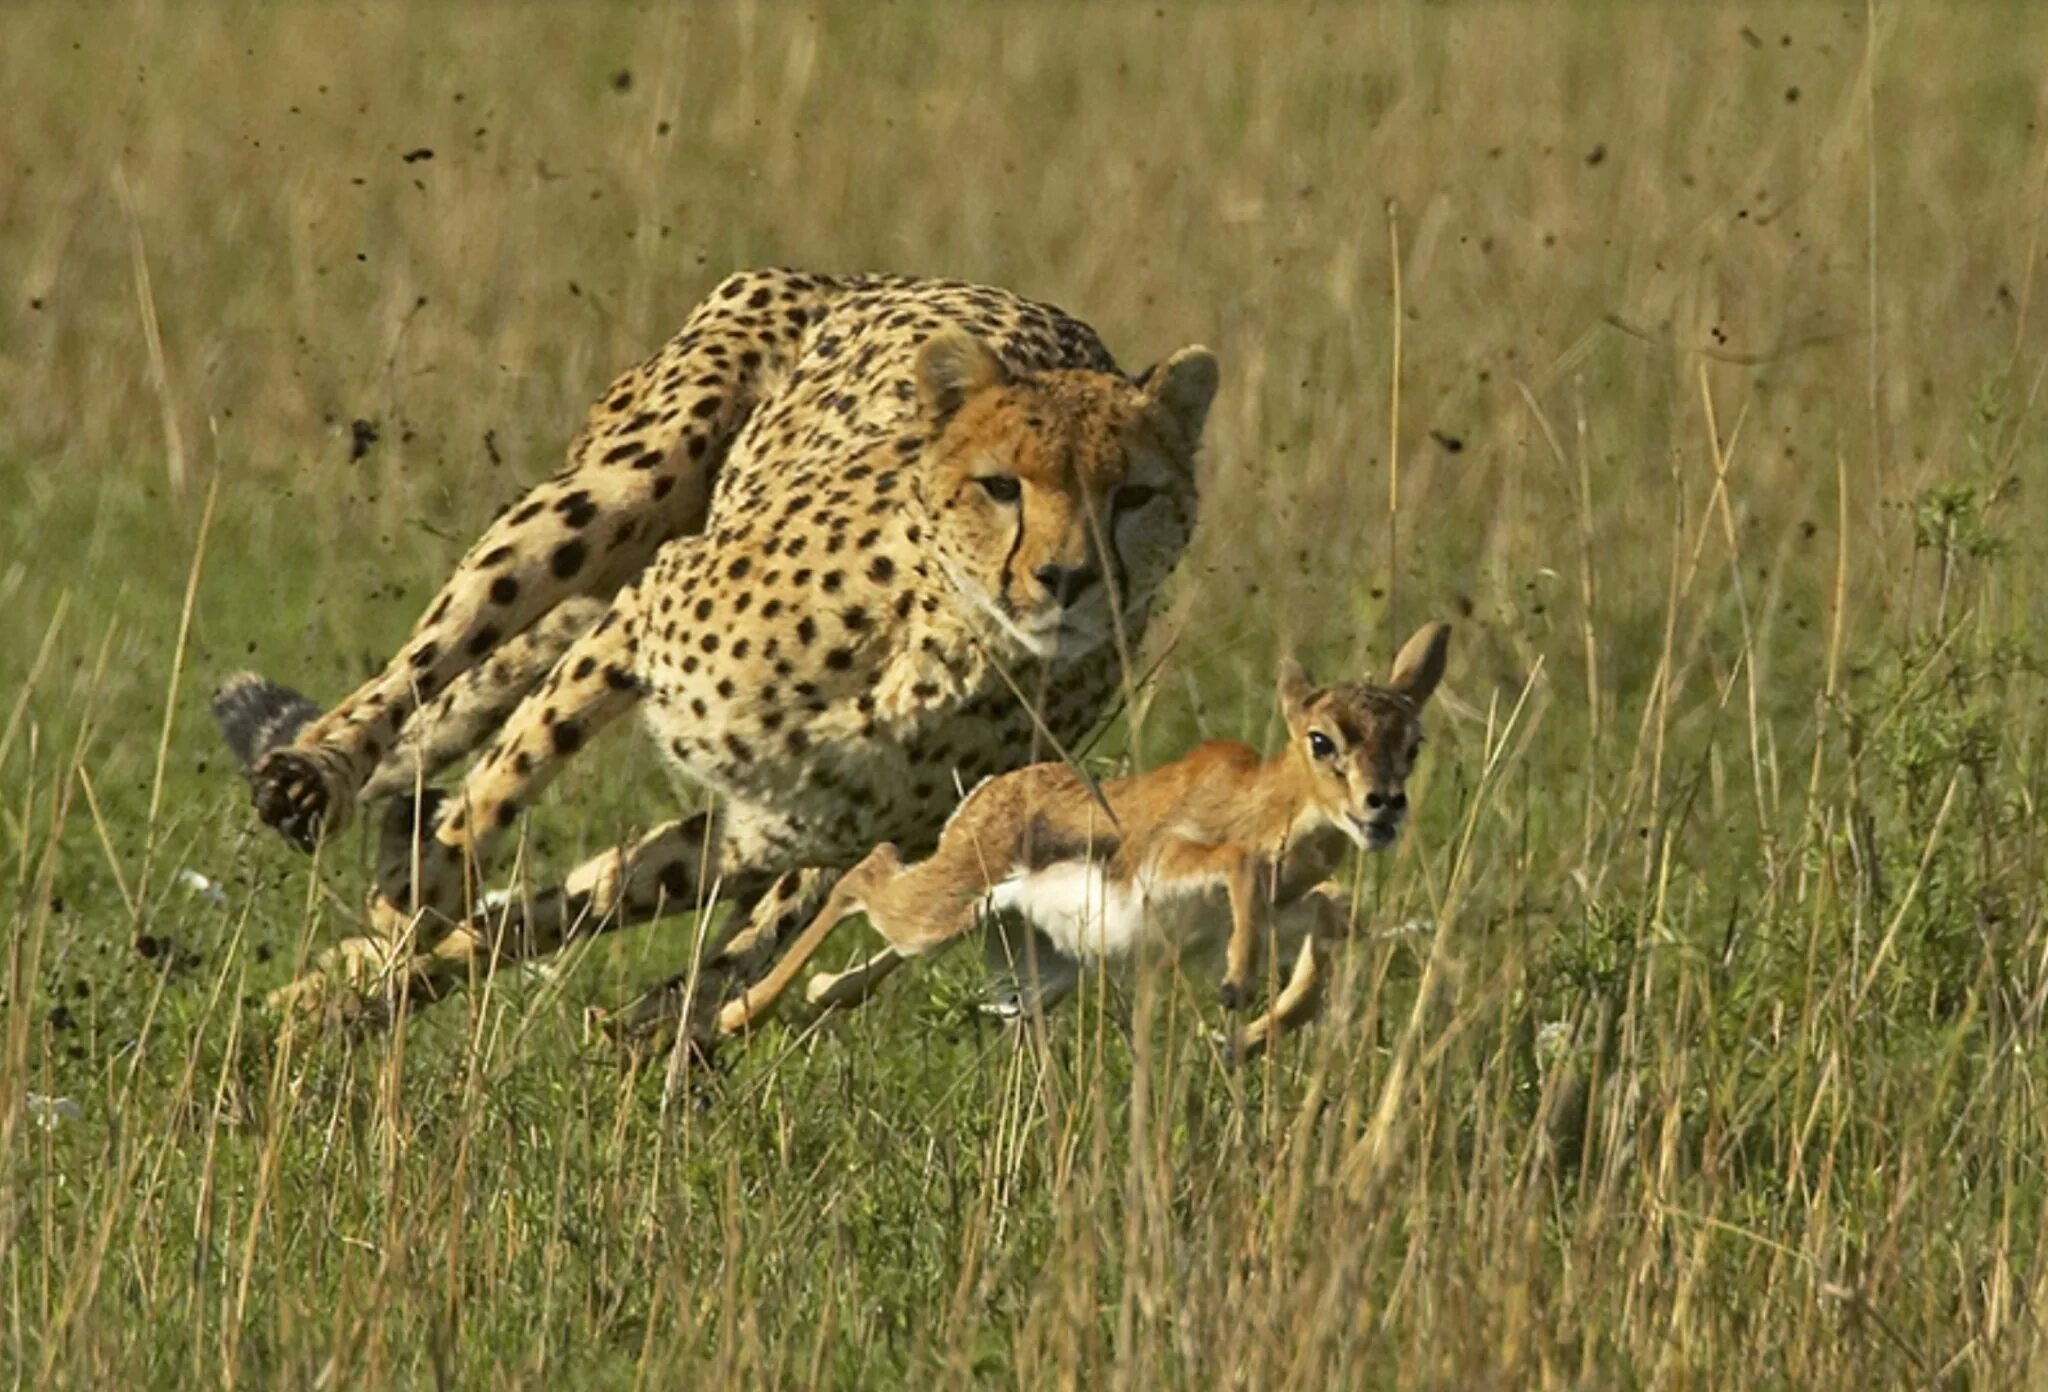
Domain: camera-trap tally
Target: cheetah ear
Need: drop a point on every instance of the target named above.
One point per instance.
(954, 366)
(1295, 689)
(1181, 388)
(1419, 666)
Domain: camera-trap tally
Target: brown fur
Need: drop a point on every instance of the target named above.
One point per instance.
(1261, 835)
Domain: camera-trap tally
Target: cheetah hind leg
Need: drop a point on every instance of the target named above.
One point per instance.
(641, 473)
(477, 704)
(261, 718)
(359, 983)
(360, 986)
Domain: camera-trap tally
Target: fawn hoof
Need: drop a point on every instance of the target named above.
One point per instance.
(295, 793)
(841, 990)
(1235, 1046)
(1234, 995)
(1008, 1007)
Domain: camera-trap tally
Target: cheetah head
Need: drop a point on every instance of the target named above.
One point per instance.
(1357, 741)
(1060, 501)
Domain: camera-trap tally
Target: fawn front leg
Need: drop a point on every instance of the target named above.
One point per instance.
(1302, 996)
(1241, 954)
(1297, 1001)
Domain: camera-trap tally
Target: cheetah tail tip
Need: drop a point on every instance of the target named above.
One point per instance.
(257, 715)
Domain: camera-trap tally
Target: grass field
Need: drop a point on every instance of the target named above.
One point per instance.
(1693, 1036)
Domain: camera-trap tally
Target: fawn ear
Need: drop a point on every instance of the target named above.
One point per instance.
(1180, 389)
(1295, 688)
(954, 366)
(1419, 666)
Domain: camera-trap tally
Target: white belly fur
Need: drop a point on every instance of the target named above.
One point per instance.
(1085, 914)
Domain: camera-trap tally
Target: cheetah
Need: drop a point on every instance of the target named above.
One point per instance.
(1220, 844)
(845, 543)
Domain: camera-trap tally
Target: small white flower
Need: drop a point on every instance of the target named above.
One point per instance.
(46, 1112)
(1413, 928)
(206, 889)
(1553, 1041)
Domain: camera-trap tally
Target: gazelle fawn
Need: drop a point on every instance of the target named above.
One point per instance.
(1219, 843)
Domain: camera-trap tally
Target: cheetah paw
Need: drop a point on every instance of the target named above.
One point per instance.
(362, 984)
(345, 989)
(296, 793)
(668, 1017)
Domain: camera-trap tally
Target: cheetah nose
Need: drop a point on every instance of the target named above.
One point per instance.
(1065, 583)
(1388, 802)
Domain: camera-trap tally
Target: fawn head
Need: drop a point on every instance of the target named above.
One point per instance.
(1358, 740)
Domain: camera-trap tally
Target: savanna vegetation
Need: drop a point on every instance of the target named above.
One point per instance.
(1688, 357)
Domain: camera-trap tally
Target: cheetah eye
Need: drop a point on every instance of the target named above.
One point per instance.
(1132, 495)
(1003, 488)
(1320, 745)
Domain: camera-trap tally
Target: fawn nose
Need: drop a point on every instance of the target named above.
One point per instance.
(1065, 583)
(1387, 802)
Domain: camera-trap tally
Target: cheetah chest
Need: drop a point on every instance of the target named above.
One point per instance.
(849, 737)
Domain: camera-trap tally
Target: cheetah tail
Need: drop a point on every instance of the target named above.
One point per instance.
(257, 715)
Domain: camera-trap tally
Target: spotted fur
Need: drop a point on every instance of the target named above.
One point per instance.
(855, 541)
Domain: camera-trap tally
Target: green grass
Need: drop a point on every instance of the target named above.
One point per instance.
(1720, 436)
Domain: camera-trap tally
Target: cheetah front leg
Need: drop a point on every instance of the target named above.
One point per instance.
(551, 548)
(653, 1021)
(428, 935)
(641, 473)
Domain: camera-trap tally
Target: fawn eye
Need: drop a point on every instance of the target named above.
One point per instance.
(1003, 488)
(1320, 745)
(1131, 495)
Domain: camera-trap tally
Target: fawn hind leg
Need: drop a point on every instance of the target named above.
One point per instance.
(917, 909)
(848, 897)
(951, 887)
(842, 990)
(760, 922)
(1027, 973)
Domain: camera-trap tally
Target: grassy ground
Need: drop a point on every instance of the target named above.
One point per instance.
(1694, 1037)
